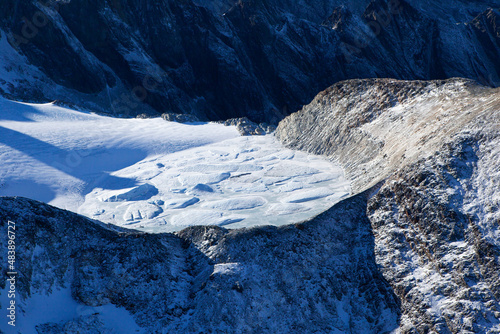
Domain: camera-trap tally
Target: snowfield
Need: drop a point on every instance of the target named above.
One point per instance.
(159, 176)
(60, 307)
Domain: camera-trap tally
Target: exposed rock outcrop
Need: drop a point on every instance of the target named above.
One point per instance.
(248, 128)
(436, 218)
(315, 276)
(222, 59)
(180, 118)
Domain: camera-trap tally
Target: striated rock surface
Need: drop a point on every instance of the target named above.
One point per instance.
(220, 59)
(375, 127)
(436, 218)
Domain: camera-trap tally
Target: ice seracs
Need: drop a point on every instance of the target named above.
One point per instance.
(159, 176)
(239, 182)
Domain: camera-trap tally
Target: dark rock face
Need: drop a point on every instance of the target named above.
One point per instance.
(57, 249)
(486, 27)
(435, 146)
(219, 59)
(318, 276)
(299, 278)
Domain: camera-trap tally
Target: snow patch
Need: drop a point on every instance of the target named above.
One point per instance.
(59, 307)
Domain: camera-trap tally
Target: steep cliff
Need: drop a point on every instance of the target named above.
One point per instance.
(222, 59)
(435, 218)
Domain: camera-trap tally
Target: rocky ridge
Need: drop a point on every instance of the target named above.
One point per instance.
(436, 219)
(223, 59)
(415, 251)
(316, 276)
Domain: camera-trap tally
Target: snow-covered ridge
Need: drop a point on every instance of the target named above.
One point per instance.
(431, 148)
(159, 176)
(375, 127)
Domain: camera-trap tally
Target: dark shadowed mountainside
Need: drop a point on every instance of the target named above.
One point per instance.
(220, 59)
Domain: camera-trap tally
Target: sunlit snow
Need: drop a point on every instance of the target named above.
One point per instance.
(159, 176)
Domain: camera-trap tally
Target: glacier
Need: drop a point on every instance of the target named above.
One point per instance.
(159, 176)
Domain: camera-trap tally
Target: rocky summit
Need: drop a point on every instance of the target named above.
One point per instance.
(415, 249)
(221, 59)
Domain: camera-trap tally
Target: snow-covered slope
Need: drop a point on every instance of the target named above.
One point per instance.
(156, 175)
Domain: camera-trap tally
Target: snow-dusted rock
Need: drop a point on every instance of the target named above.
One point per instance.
(221, 59)
(315, 276)
(430, 149)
